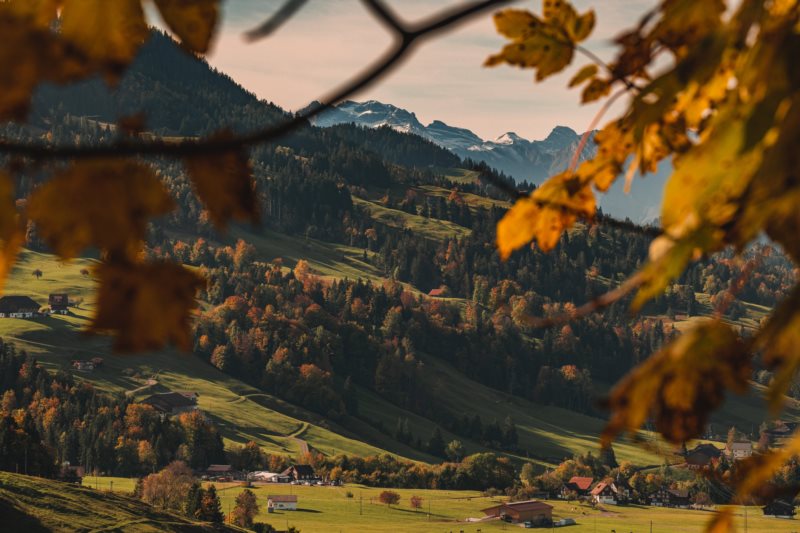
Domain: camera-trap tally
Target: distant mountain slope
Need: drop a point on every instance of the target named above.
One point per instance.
(34, 505)
(509, 153)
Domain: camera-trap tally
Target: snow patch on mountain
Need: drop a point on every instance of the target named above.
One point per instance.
(522, 159)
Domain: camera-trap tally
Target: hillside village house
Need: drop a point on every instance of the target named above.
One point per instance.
(534, 511)
(18, 307)
(172, 403)
(671, 498)
(702, 455)
(219, 472)
(281, 503)
(300, 473)
(779, 509)
(611, 492)
(739, 450)
(59, 304)
(577, 484)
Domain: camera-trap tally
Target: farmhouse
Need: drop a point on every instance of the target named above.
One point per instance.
(779, 509)
(281, 503)
(219, 472)
(18, 307)
(438, 293)
(172, 403)
(739, 450)
(611, 492)
(59, 303)
(300, 473)
(702, 455)
(671, 498)
(577, 484)
(534, 511)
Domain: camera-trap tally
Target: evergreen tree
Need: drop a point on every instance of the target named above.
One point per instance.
(194, 501)
(435, 444)
(210, 506)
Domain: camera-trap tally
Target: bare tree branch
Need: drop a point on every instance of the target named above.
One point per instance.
(408, 38)
(272, 24)
(592, 306)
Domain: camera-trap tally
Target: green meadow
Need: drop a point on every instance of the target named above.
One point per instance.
(356, 508)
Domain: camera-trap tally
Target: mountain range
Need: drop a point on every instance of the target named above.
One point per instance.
(515, 156)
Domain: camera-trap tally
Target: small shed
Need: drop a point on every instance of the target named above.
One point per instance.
(83, 366)
(281, 502)
(59, 303)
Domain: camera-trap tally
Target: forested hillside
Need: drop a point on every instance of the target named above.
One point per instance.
(413, 218)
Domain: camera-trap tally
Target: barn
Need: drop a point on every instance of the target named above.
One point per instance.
(18, 307)
(534, 511)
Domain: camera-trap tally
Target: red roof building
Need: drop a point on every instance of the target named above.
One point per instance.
(579, 485)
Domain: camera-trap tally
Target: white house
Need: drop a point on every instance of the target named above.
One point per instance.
(262, 475)
(739, 450)
(281, 503)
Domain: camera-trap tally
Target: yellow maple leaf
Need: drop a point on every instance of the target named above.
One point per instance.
(193, 21)
(545, 45)
(681, 384)
(116, 199)
(552, 208)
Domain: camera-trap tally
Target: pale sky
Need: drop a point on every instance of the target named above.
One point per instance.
(330, 40)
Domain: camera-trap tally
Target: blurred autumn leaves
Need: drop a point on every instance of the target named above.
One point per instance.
(716, 90)
(144, 304)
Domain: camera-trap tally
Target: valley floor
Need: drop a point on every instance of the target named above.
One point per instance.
(329, 509)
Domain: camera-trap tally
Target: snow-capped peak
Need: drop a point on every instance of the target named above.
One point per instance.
(509, 138)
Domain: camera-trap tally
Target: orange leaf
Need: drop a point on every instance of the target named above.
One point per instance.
(11, 235)
(146, 305)
(100, 203)
(552, 208)
(108, 33)
(193, 21)
(224, 184)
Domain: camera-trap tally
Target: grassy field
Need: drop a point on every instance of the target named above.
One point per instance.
(33, 505)
(430, 228)
(326, 509)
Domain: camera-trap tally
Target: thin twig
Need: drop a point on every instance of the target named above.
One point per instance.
(409, 37)
(272, 24)
(595, 121)
(590, 307)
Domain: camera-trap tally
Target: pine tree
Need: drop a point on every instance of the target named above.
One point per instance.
(194, 501)
(210, 506)
(436, 443)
